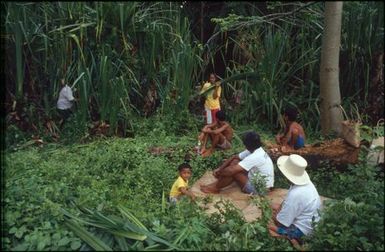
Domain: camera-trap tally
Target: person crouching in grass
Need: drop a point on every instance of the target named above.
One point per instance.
(180, 186)
(293, 137)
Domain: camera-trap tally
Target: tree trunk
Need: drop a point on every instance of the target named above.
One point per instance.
(331, 115)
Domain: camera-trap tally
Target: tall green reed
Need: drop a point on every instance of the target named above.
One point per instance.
(362, 37)
(97, 40)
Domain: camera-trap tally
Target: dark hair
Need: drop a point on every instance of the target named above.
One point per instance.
(184, 166)
(291, 113)
(251, 140)
(213, 74)
(221, 115)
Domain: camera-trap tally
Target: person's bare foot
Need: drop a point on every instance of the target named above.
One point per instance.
(286, 149)
(274, 234)
(207, 153)
(297, 245)
(209, 189)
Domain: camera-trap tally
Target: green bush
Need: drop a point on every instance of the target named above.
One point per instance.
(354, 220)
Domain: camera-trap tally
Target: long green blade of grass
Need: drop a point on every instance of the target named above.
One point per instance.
(127, 214)
(87, 237)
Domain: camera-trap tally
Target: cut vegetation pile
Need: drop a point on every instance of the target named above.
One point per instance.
(336, 150)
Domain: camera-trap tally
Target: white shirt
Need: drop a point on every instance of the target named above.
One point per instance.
(65, 98)
(299, 207)
(258, 161)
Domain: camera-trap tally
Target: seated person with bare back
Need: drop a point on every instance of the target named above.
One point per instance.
(219, 132)
(293, 137)
(242, 167)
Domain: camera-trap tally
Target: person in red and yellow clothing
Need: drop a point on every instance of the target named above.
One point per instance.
(212, 90)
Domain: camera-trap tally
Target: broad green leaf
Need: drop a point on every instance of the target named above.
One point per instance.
(75, 245)
(64, 241)
(13, 230)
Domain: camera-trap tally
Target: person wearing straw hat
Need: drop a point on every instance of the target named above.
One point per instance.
(242, 167)
(294, 217)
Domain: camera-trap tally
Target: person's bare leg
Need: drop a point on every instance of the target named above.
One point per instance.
(296, 244)
(208, 136)
(273, 230)
(215, 138)
(224, 165)
(207, 153)
(216, 186)
(224, 181)
(200, 140)
(203, 139)
(228, 145)
(241, 178)
(221, 141)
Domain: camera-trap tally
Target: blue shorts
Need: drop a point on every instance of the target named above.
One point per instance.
(300, 143)
(292, 231)
(249, 188)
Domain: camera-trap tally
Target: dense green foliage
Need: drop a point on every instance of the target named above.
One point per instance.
(106, 173)
(114, 52)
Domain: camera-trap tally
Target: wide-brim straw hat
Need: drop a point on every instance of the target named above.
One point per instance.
(293, 167)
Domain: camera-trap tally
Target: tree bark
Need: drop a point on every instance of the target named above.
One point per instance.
(331, 115)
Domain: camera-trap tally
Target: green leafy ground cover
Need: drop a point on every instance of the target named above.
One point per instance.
(105, 173)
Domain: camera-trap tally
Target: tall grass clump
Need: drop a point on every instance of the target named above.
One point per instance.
(112, 51)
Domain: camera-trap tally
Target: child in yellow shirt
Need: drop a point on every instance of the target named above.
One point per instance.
(180, 186)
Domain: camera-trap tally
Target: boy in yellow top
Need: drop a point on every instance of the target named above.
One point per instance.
(212, 103)
(180, 186)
